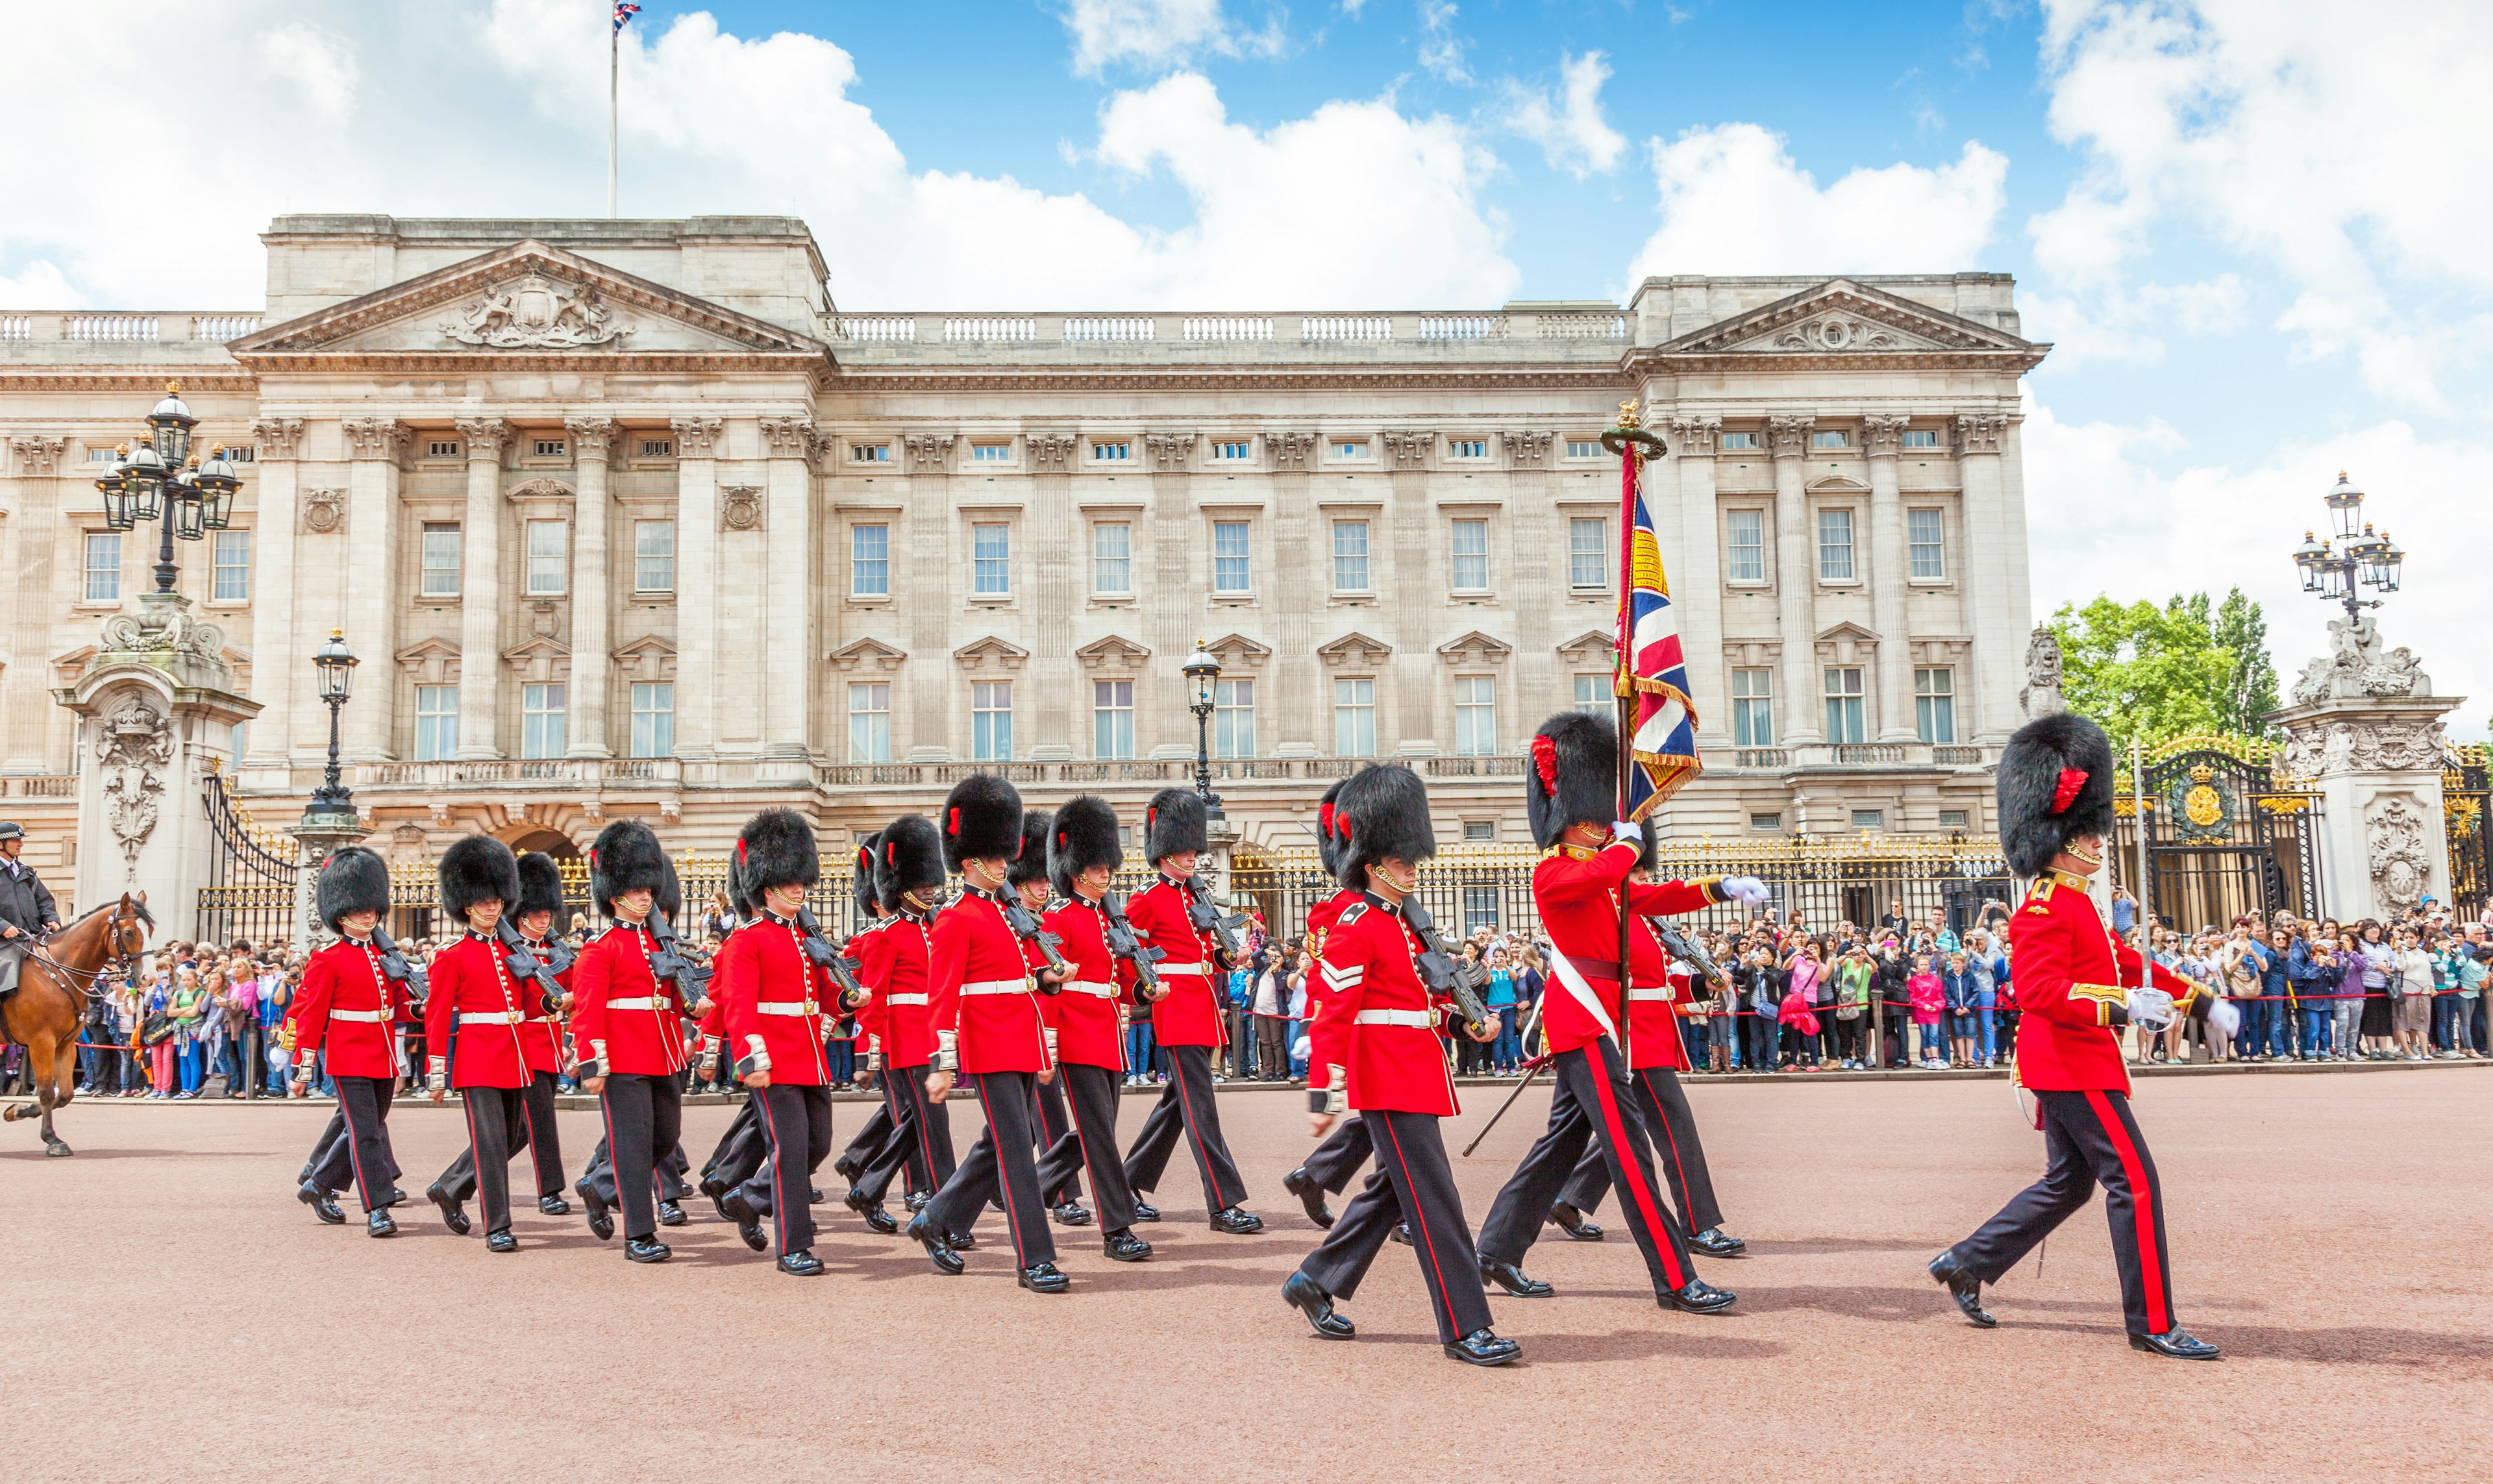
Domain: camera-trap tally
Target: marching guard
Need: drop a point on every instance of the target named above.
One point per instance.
(627, 1036)
(541, 1038)
(743, 1149)
(350, 1011)
(1326, 1171)
(1186, 1022)
(1027, 876)
(1580, 888)
(2078, 985)
(989, 1031)
(471, 987)
(1377, 1038)
(1083, 854)
(908, 882)
(871, 952)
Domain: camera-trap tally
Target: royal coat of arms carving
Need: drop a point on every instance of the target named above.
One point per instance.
(535, 312)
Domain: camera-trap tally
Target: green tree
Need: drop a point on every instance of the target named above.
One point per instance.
(2145, 672)
(2250, 689)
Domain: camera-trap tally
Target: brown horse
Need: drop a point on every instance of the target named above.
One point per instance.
(50, 1008)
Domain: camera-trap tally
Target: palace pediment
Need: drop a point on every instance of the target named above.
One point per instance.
(528, 301)
(1842, 318)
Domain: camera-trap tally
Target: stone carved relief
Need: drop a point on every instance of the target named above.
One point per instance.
(1168, 450)
(1979, 432)
(696, 437)
(374, 437)
(534, 312)
(1049, 450)
(928, 451)
(324, 511)
(2394, 844)
(2040, 695)
(484, 437)
(1787, 434)
(178, 634)
(134, 748)
(2356, 665)
(1883, 432)
(1409, 450)
(1290, 450)
(1526, 449)
(592, 438)
(277, 437)
(739, 508)
(1840, 332)
(1699, 435)
(2372, 747)
(38, 456)
(789, 437)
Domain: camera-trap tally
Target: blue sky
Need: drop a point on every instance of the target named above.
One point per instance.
(2247, 225)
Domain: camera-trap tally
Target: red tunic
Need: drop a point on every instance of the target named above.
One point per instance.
(621, 1002)
(2069, 971)
(1578, 893)
(1320, 920)
(1654, 1038)
(1190, 1014)
(1380, 1022)
(471, 982)
(542, 1035)
(908, 1023)
(350, 1009)
(982, 990)
(871, 947)
(1086, 1004)
(771, 990)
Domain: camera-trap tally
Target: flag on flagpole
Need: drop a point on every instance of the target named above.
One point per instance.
(1652, 677)
(624, 15)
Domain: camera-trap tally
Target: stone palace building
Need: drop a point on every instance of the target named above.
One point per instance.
(630, 517)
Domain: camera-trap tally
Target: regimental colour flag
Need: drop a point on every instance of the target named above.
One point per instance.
(624, 15)
(1660, 721)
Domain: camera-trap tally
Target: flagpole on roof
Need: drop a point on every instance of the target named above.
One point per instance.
(614, 72)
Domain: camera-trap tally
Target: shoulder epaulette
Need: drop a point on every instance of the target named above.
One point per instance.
(1351, 914)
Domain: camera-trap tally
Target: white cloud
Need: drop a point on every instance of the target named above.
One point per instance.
(1160, 33)
(2104, 516)
(1571, 130)
(1734, 202)
(2117, 326)
(1441, 50)
(2336, 143)
(321, 63)
(39, 285)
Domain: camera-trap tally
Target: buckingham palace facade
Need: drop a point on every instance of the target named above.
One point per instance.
(630, 517)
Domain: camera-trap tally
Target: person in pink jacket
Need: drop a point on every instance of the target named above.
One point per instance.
(1928, 999)
(1799, 1022)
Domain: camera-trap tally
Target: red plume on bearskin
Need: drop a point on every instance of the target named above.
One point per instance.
(2040, 810)
(981, 820)
(1574, 777)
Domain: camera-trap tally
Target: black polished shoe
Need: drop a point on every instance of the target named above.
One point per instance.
(1483, 1346)
(801, 1264)
(1401, 1232)
(714, 1187)
(1302, 1293)
(914, 1202)
(601, 1216)
(2177, 1343)
(939, 1250)
(1963, 1286)
(322, 1204)
(1311, 1195)
(1144, 1210)
(554, 1205)
(1124, 1246)
(963, 1241)
(502, 1241)
(452, 1216)
(646, 1249)
(1571, 1221)
(814, 1195)
(379, 1224)
(396, 1197)
(1697, 1296)
(1237, 1221)
(1044, 1278)
(671, 1213)
(849, 1168)
(1071, 1213)
(1715, 1242)
(748, 1221)
(877, 1219)
(1508, 1276)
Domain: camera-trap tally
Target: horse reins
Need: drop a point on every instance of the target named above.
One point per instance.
(81, 982)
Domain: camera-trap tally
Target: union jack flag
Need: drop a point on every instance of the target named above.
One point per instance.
(624, 15)
(1652, 675)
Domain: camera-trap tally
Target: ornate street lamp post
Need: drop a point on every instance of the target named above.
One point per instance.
(166, 482)
(336, 664)
(1203, 674)
(2353, 558)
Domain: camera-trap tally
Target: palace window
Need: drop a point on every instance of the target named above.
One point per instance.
(1354, 718)
(1584, 448)
(991, 720)
(1765, 824)
(103, 567)
(1474, 715)
(436, 721)
(991, 560)
(653, 557)
(869, 561)
(1844, 717)
(1480, 831)
(657, 447)
(1934, 704)
(1233, 719)
(1921, 438)
(1954, 818)
(1350, 556)
(548, 447)
(653, 718)
(541, 720)
(1480, 909)
(441, 560)
(1231, 451)
(869, 452)
(1112, 557)
(1593, 692)
(1752, 708)
(1117, 452)
(1747, 562)
(1230, 557)
(547, 544)
(1350, 448)
(1112, 718)
(1835, 546)
(441, 448)
(1834, 439)
(1736, 442)
(1924, 539)
(233, 567)
(1589, 552)
(990, 453)
(870, 721)
(1471, 556)
(1468, 448)
(1869, 818)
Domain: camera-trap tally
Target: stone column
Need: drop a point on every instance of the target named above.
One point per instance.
(1300, 705)
(372, 579)
(695, 585)
(933, 595)
(1795, 558)
(1989, 605)
(788, 485)
(1420, 685)
(1696, 573)
(592, 569)
(1890, 569)
(1058, 702)
(2365, 730)
(277, 441)
(1534, 551)
(35, 507)
(480, 591)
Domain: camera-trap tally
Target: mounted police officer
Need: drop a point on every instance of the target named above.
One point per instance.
(26, 909)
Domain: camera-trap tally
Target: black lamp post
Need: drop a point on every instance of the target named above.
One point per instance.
(166, 482)
(1203, 674)
(336, 664)
(2353, 559)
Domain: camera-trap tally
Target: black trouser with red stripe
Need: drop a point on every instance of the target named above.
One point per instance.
(1187, 1107)
(1091, 1145)
(921, 1137)
(530, 1128)
(1593, 1102)
(1338, 1158)
(740, 1150)
(1671, 1126)
(645, 1114)
(496, 1117)
(797, 1121)
(999, 1166)
(362, 1152)
(1048, 1117)
(868, 1140)
(2088, 1137)
(1412, 1177)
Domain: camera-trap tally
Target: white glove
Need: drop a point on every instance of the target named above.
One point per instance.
(1302, 1046)
(1745, 888)
(2151, 1008)
(1627, 831)
(2225, 1015)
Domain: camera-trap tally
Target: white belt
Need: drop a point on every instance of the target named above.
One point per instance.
(1643, 992)
(1184, 968)
(1091, 986)
(787, 1007)
(490, 1018)
(640, 1002)
(1424, 1019)
(364, 1017)
(997, 987)
(904, 1000)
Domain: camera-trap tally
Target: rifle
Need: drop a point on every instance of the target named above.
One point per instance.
(820, 953)
(1687, 950)
(1205, 916)
(670, 963)
(1443, 972)
(523, 963)
(395, 965)
(1025, 926)
(1125, 943)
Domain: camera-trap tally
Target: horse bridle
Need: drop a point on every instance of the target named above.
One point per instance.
(123, 959)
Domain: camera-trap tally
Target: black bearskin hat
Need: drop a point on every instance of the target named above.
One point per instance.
(625, 857)
(354, 881)
(1328, 839)
(731, 885)
(1174, 823)
(668, 901)
(981, 820)
(1031, 865)
(1382, 812)
(908, 857)
(1085, 836)
(861, 890)
(2056, 777)
(540, 889)
(777, 848)
(474, 870)
(1575, 774)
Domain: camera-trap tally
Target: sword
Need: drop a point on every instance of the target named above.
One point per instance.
(1531, 1070)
